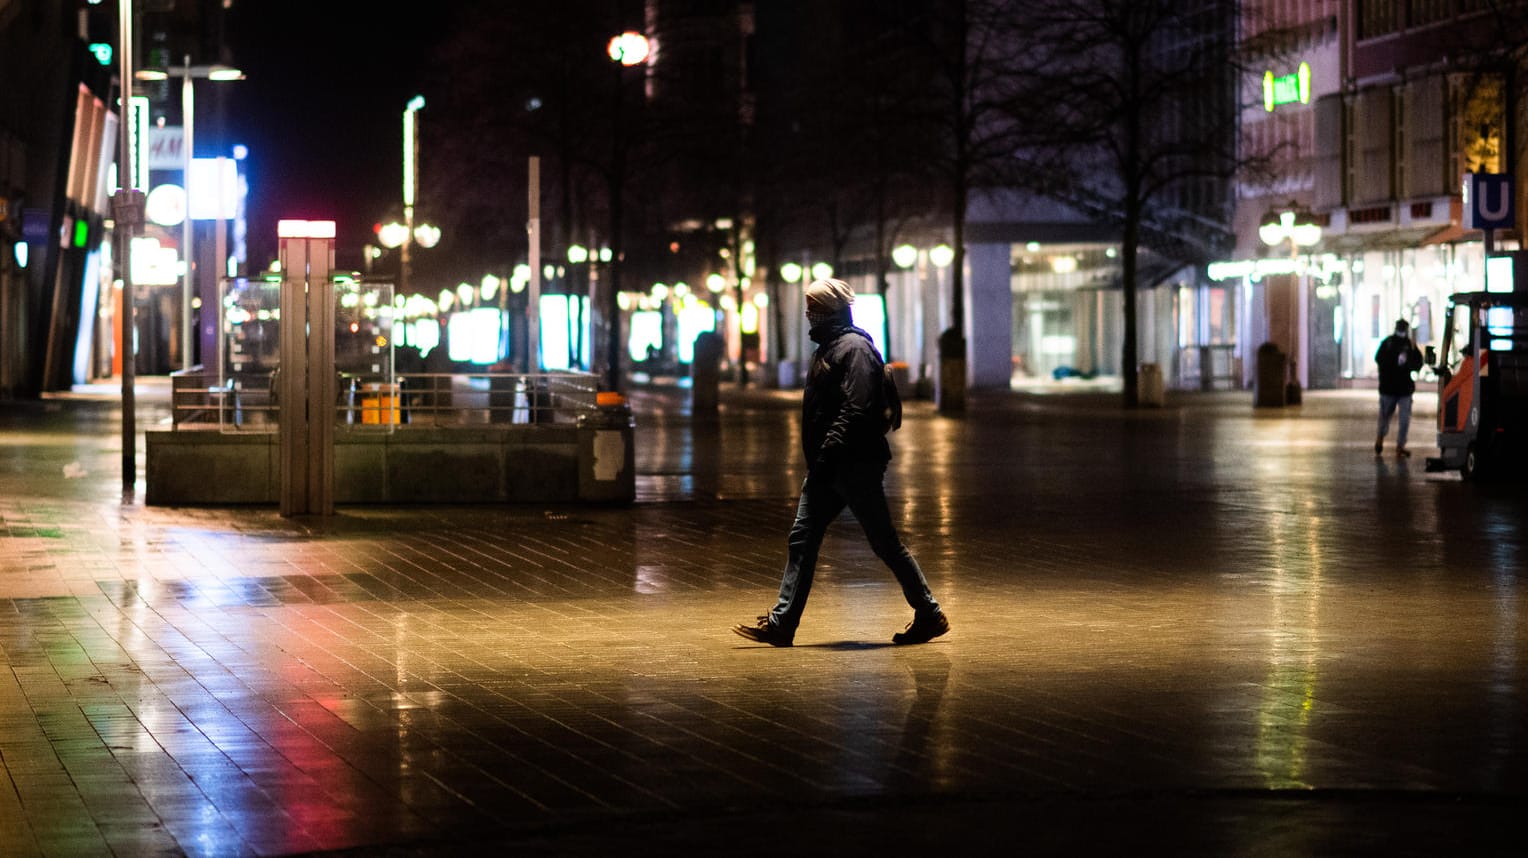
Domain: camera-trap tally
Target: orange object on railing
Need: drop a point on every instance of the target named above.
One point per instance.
(609, 399)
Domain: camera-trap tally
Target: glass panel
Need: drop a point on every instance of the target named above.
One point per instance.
(1458, 336)
(250, 354)
(370, 395)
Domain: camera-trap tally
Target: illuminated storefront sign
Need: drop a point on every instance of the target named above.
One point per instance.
(1286, 89)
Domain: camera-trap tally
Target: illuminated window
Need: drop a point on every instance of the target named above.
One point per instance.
(473, 336)
(695, 318)
(869, 312)
(564, 339)
(646, 333)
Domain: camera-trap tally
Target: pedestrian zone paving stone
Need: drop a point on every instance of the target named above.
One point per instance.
(1204, 629)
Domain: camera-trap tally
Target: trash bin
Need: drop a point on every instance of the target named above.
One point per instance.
(1268, 383)
(1150, 388)
(379, 404)
(607, 470)
(705, 374)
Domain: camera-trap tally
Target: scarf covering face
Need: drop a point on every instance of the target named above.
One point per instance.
(826, 299)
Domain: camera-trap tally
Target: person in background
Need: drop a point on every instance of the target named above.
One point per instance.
(1398, 357)
(843, 434)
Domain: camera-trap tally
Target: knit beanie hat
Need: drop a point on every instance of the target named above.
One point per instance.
(827, 298)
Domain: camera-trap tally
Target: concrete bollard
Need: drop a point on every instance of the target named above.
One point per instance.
(1150, 387)
(705, 374)
(607, 466)
(1268, 383)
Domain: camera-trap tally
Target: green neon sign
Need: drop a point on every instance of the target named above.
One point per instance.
(81, 233)
(102, 51)
(1286, 89)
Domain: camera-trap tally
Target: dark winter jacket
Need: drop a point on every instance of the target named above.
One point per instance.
(841, 407)
(1398, 357)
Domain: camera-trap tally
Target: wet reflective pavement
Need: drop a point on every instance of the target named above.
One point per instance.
(1199, 630)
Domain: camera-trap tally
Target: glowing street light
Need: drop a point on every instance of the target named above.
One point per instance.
(628, 48)
(187, 73)
(904, 255)
(392, 234)
(1295, 225)
(427, 235)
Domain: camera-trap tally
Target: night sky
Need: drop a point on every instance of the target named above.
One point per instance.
(322, 111)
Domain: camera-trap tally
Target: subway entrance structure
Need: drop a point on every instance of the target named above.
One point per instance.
(303, 408)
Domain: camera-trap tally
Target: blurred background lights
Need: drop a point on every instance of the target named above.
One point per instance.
(628, 49)
(427, 235)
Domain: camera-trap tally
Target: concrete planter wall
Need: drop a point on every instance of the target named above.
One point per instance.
(521, 463)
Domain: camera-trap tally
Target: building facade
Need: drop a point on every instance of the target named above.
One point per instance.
(1373, 111)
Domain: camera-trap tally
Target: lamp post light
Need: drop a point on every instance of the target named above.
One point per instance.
(187, 73)
(715, 283)
(394, 235)
(1295, 225)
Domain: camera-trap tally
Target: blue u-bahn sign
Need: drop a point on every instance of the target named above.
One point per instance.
(1489, 201)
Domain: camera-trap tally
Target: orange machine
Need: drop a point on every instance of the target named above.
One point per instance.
(1483, 384)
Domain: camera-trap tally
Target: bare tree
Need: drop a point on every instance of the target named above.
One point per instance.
(1132, 105)
(972, 53)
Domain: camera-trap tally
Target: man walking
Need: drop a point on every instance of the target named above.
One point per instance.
(1398, 357)
(843, 434)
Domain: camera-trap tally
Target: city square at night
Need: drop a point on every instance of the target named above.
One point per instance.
(405, 421)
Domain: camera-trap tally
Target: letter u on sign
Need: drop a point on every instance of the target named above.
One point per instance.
(1489, 201)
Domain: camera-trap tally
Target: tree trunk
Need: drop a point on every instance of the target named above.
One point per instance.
(1128, 352)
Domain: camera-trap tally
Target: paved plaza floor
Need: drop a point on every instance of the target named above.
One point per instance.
(1205, 629)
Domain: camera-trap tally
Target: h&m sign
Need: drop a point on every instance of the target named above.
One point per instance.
(166, 148)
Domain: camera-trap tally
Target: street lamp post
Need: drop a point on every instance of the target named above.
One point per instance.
(1301, 229)
(904, 257)
(410, 185)
(407, 234)
(625, 50)
(127, 214)
(188, 73)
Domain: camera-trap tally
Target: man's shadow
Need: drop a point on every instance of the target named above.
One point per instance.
(915, 756)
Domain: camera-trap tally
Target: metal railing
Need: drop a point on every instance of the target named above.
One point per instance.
(1214, 367)
(464, 400)
(248, 402)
